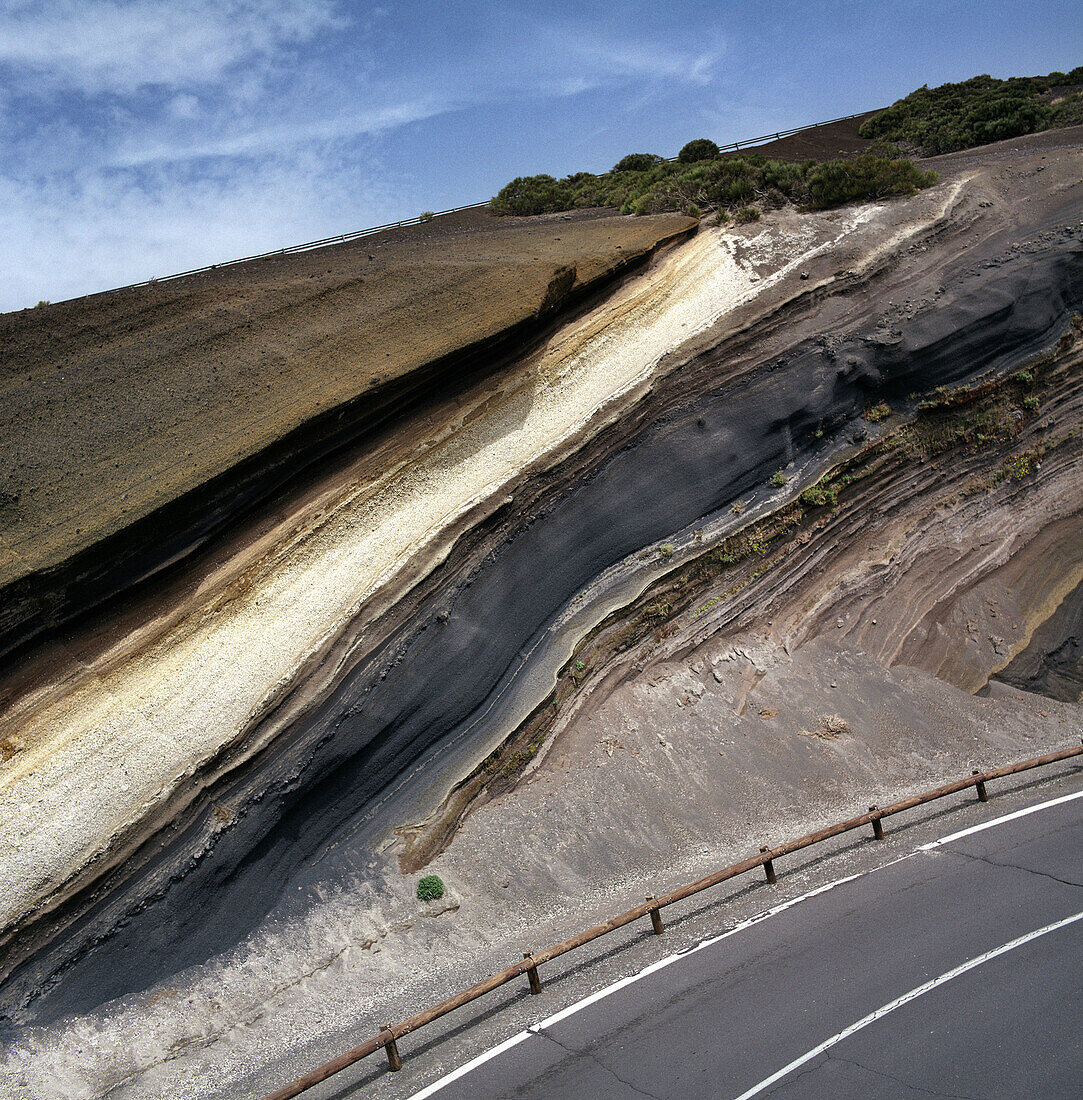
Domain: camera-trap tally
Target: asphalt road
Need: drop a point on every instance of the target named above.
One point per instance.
(953, 970)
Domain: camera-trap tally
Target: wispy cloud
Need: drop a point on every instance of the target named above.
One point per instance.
(143, 136)
(115, 46)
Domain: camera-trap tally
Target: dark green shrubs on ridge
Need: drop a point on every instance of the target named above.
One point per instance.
(636, 162)
(979, 111)
(731, 183)
(699, 149)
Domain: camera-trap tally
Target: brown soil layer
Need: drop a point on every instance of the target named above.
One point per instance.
(117, 406)
(835, 139)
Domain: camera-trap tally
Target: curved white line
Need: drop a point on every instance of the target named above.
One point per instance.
(906, 998)
(999, 821)
(515, 1040)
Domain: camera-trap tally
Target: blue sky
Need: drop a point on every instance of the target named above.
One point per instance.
(142, 137)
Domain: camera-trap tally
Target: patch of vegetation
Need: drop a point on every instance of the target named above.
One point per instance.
(820, 495)
(637, 162)
(735, 185)
(697, 150)
(666, 549)
(1030, 404)
(430, 888)
(978, 111)
(778, 479)
(876, 413)
(426, 216)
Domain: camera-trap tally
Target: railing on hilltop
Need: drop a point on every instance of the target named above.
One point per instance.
(344, 238)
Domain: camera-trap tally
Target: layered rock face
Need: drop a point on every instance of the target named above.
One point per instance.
(779, 513)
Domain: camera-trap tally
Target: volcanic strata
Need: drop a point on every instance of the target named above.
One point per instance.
(728, 527)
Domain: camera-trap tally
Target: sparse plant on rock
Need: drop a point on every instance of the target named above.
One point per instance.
(430, 888)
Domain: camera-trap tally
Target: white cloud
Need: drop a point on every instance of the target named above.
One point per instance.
(120, 45)
(78, 234)
(266, 136)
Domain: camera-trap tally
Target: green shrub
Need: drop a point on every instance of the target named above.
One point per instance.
(731, 184)
(636, 162)
(747, 214)
(778, 479)
(532, 195)
(975, 112)
(1067, 111)
(868, 177)
(426, 216)
(430, 888)
(817, 496)
(698, 149)
(876, 413)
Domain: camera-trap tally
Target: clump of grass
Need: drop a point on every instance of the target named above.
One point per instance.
(666, 549)
(426, 216)
(778, 479)
(1030, 404)
(747, 214)
(430, 888)
(876, 413)
(820, 495)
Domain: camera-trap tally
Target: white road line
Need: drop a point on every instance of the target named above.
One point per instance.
(906, 998)
(515, 1040)
(999, 821)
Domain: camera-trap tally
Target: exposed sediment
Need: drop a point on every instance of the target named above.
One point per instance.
(139, 424)
(497, 584)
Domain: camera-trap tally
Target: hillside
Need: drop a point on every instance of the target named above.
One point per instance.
(556, 555)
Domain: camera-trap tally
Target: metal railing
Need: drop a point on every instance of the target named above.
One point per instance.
(343, 238)
(651, 908)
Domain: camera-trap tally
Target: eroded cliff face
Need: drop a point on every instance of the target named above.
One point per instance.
(782, 517)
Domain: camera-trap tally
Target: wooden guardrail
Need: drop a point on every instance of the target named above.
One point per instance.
(391, 1033)
(343, 238)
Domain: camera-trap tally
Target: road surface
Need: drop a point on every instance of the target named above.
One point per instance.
(952, 970)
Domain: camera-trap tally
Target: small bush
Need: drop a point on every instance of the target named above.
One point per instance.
(430, 888)
(747, 214)
(532, 195)
(637, 162)
(1030, 404)
(834, 182)
(698, 149)
(426, 216)
(876, 413)
(778, 479)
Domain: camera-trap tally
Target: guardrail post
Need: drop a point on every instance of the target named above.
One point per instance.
(769, 868)
(980, 786)
(877, 828)
(394, 1060)
(532, 975)
(656, 918)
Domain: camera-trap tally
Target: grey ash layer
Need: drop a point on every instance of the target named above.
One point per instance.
(312, 807)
